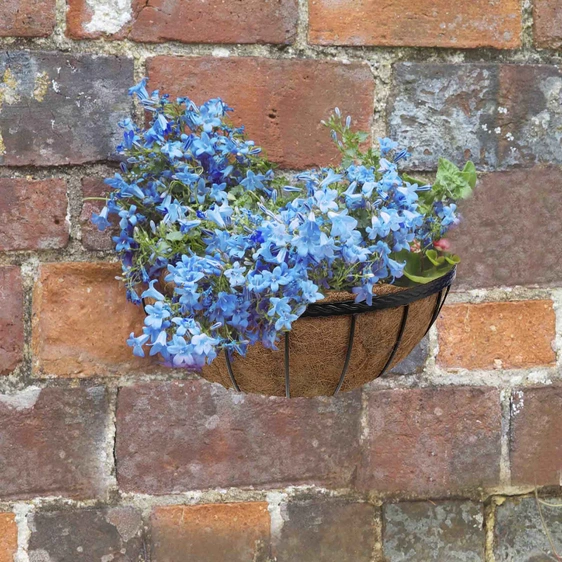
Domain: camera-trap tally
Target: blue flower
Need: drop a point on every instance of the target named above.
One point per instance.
(137, 343)
(387, 145)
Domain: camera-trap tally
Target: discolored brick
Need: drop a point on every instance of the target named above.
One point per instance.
(61, 109)
(237, 532)
(535, 445)
(11, 319)
(326, 530)
(281, 102)
(81, 322)
(547, 20)
(499, 116)
(431, 441)
(509, 335)
(8, 537)
(27, 18)
(530, 123)
(53, 443)
(428, 23)
(188, 21)
(445, 110)
(194, 435)
(444, 531)
(33, 214)
(92, 237)
(505, 237)
(520, 533)
(83, 535)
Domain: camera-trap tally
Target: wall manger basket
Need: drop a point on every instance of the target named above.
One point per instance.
(337, 345)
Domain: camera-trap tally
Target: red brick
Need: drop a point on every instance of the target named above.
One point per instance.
(81, 321)
(427, 23)
(62, 108)
(190, 21)
(8, 537)
(509, 335)
(437, 441)
(237, 532)
(505, 237)
(92, 237)
(11, 318)
(194, 435)
(535, 444)
(33, 214)
(27, 18)
(281, 102)
(547, 19)
(53, 443)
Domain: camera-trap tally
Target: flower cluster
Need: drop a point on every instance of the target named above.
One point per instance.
(230, 253)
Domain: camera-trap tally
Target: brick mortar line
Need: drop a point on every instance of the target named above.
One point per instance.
(489, 526)
(433, 377)
(527, 23)
(65, 45)
(145, 502)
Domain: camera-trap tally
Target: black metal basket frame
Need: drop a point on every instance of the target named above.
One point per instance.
(441, 285)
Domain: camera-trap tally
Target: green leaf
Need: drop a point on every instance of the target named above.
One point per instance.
(413, 180)
(174, 236)
(453, 259)
(469, 174)
(434, 257)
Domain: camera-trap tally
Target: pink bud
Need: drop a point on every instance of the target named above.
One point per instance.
(444, 245)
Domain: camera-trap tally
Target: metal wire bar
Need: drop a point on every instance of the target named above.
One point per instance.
(436, 311)
(230, 371)
(348, 354)
(398, 339)
(444, 299)
(392, 300)
(287, 367)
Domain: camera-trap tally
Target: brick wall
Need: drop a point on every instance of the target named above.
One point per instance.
(107, 457)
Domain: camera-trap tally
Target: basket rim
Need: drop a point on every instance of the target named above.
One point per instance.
(392, 300)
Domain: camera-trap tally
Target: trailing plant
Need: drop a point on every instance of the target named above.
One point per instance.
(242, 248)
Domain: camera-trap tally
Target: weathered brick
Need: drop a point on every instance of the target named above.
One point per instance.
(535, 444)
(188, 21)
(497, 115)
(53, 443)
(32, 214)
(508, 227)
(11, 319)
(428, 23)
(85, 535)
(530, 98)
(27, 18)
(431, 441)
(92, 238)
(520, 534)
(81, 321)
(450, 531)
(193, 435)
(61, 109)
(547, 19)
(414, 363)
(8, 537)
(509, 335)
(326, 530)
(441, 109)
(281, 102)
(237, 532)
